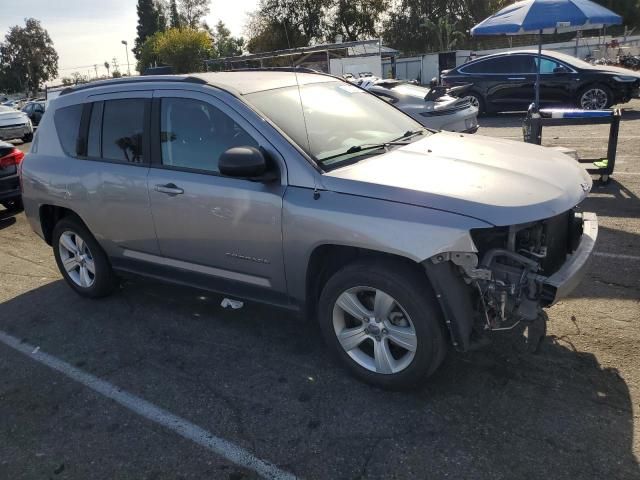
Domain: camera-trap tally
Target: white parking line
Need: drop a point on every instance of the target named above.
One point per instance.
(188, 430)
(617, 255)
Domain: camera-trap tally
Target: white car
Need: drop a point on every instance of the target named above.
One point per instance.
(433, 107)
(15, 124)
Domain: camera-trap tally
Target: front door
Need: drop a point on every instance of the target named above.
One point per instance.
(227, 230)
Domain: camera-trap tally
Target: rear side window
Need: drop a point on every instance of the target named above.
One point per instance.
(516, 64)
(122, 130)
(67, 121)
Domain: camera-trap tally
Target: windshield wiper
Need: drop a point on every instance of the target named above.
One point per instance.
(375, 146)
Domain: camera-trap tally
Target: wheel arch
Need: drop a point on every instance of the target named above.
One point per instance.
(49, 215)
(326, 259)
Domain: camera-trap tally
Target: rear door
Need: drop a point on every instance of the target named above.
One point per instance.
(108, 186)
(224, 231)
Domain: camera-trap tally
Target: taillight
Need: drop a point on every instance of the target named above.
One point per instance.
(14, 158)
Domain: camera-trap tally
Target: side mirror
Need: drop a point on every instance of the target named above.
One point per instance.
(244, 162)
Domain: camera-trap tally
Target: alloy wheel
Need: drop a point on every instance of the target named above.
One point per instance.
(594, 99)
(374, 330)
(77, 259)
(473, 100)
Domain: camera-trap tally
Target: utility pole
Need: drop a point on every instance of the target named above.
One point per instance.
(95, 67)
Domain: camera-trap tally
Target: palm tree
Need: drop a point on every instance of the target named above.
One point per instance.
(447, 34)
(107, 66)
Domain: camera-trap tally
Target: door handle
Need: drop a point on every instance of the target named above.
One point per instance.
(169, 189)
(516, 78)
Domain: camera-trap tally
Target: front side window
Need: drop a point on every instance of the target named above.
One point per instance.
(122, 130)
(339, 118)
(193, 134)
(549, 66)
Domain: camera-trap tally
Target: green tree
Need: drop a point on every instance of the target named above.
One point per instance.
(628, 9)
(193, 12)
(183, 49)
(175, 20)
(445, 33)
(27, 57)
(150, 21)
(149, 53)
(225, 45)
(278, 24)
(357, 19)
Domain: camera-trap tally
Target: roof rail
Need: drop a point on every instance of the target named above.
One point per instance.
(275, 69)
(140, 79)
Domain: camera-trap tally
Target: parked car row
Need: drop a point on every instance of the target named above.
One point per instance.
(304, 191)
(506, 82)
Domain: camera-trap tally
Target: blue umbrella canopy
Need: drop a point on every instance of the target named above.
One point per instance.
(547, 16)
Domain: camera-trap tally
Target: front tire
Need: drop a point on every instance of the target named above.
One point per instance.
(595, 97)
(382, 320)
(81, 260)
(28, 138)
(476, 100)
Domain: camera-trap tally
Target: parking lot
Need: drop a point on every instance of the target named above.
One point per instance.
(262, 379)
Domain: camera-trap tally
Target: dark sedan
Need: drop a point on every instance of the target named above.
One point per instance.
(506, 81)
(34, 111)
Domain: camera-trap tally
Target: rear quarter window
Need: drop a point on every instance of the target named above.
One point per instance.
(67, 122)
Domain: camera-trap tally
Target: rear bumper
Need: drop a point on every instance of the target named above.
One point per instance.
(19, 131)
(565, 280)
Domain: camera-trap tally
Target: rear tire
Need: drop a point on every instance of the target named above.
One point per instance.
(399, 339)
(81, 260)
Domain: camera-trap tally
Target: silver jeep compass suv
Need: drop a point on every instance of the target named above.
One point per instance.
(307, 192)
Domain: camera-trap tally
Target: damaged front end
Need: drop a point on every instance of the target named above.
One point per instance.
(517, 271)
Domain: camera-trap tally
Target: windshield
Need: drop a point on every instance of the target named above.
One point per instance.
(338, 116)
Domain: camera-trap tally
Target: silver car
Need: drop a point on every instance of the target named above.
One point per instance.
(306, 192)
(15, 124)
(432, 107)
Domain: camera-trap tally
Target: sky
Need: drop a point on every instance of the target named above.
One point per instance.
(89, 32)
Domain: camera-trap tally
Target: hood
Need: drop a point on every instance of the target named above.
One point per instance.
(501, 182)
(13, 118)
(617, 71)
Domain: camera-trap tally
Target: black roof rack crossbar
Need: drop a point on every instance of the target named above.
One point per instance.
(133, 80)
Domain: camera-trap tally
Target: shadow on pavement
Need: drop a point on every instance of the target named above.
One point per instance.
(6, 221)
(263, 379)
